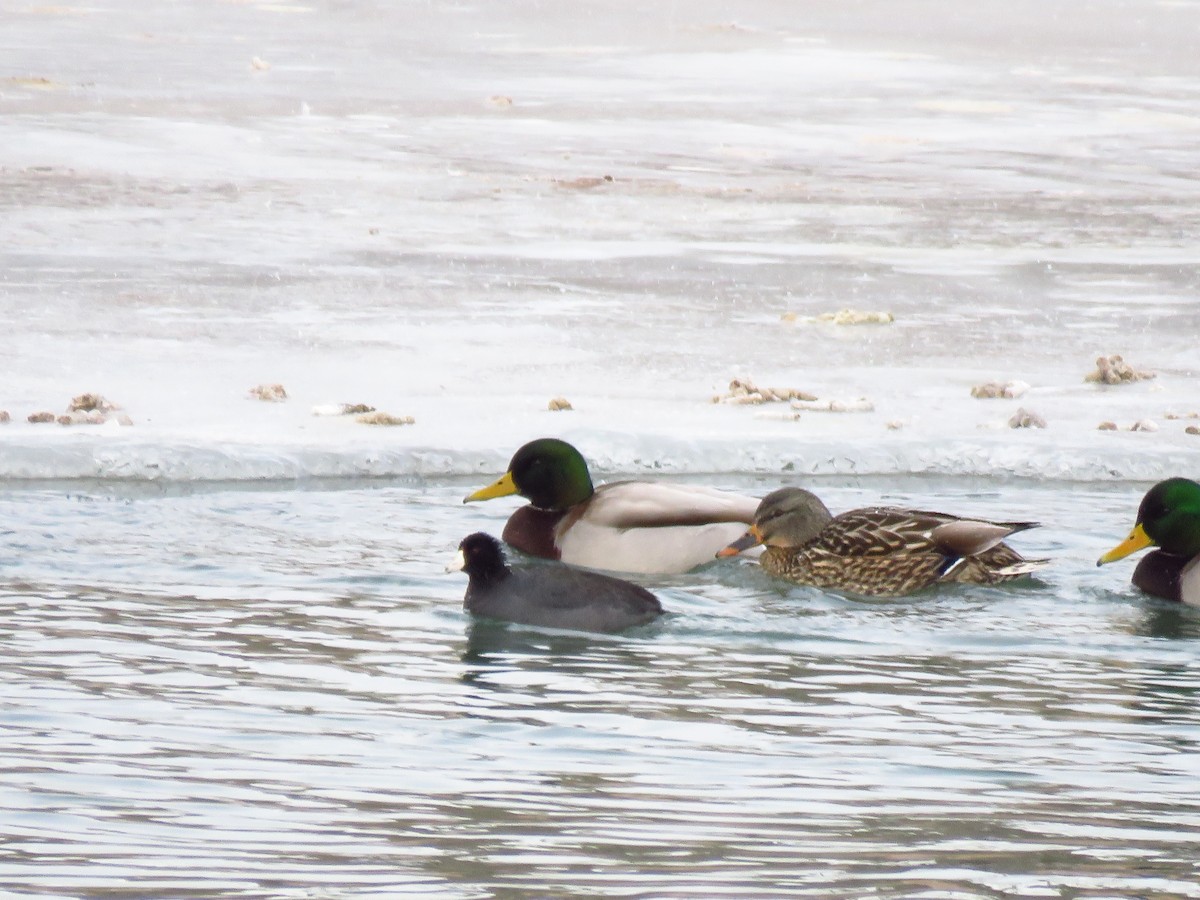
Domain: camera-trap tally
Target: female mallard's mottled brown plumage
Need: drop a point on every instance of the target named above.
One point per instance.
(879, 551)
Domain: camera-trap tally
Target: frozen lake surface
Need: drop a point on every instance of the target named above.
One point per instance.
(232, 665)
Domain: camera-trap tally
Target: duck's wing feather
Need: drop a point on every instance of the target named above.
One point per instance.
(993, 566)
(647, 504)
(881, 531)
(887, 530)
(970, 537)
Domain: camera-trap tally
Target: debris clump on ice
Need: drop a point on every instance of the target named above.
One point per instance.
(84, 409)
(1114, 370)
(342, 409)
(382, 418)
(854, 404)
(742, 391)
(1026, 418)
(845, 317)
(1007, 390)
(91, 403)
(268, 393)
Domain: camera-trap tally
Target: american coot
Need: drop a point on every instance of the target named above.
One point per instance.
(553, 596)
(1168, 518)
(626, 526)
(879, 551)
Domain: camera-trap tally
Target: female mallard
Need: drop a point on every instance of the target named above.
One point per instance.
(626, 526)
(879, 551)
(1169, 519)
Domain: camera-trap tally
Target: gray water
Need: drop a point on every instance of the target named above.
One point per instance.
(231, 663)
(276, 693)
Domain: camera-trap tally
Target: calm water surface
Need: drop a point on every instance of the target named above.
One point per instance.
(275, 692)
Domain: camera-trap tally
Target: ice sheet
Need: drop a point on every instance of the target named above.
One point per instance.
(458, 213)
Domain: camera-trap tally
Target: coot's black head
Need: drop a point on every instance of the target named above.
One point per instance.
(480, 556)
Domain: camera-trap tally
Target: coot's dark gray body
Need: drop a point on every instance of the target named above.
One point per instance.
(552, 596)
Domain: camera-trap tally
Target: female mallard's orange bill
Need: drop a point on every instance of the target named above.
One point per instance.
(502, 487)
(751, 538)
(1137, 540)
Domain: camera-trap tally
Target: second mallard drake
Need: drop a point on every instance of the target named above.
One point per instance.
(627, 526)
(879, 551)
(1169, 519)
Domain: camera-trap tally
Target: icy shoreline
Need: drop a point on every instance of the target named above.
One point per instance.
(1087, 458)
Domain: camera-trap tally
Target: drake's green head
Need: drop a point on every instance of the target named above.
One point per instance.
(549, 473)
(1169, 517)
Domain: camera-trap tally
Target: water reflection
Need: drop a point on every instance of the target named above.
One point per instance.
(494, 642)
(1167, 620)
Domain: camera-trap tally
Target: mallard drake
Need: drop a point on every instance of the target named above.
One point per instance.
(627, 526)
(551, 596)
(1169, 519)
(879, 551)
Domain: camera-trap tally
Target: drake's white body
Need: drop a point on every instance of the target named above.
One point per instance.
(652, 527)
(1189, 583)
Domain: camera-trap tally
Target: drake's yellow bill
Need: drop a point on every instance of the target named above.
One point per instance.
(502, 487)
(1137, 540)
